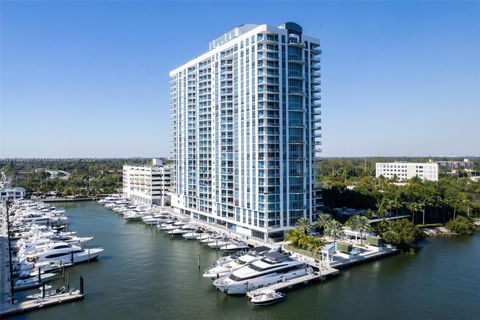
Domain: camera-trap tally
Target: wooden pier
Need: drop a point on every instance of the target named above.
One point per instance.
(300, 281)
(14, 309)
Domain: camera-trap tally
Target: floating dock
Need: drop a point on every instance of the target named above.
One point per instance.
(300, 281)
(14, 309)
(359, 259)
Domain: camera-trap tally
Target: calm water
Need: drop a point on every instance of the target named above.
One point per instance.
(144, 275)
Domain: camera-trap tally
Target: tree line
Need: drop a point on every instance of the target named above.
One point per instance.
(85, 176)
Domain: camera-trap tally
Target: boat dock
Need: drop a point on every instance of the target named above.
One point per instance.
(222, 230)
(14, 309)
(317, 276)
(9, 306)
(5, 294)
(342, 263)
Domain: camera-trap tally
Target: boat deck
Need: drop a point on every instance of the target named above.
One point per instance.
(289, 284)
(38, 303)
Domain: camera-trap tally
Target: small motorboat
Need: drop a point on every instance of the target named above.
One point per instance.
(177, 232)
(48, 293)
(192, 235)
(267, 297)
(33, 282)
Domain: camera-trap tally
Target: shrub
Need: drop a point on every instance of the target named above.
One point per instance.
(401, 233)
(460, 225)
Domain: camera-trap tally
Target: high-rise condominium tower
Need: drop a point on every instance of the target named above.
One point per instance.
(245, 130)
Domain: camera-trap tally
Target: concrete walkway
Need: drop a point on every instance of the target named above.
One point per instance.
(5, 296)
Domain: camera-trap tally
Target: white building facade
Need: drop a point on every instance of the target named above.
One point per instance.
(148, 185)
(406, 170)
(246, 130)
(11, 194)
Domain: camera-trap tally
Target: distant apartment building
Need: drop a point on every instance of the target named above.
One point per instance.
(406, 170)
(148, 185)
(456, 164)
(11, 194)
(246, 130)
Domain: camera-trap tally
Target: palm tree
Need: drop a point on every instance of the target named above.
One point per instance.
(322, 220)
(359, 223)
(304, 225)
(363, 226)
(382, 208)
(414, 207)
(426, 201)
(334, 229)
(353, 223)
(294, 236)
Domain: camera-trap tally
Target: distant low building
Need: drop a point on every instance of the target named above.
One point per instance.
(147, 184)
(12, 194)
(407, 170)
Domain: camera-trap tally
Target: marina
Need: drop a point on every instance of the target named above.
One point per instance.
(35, 249)
(237, 160)
(172, 264)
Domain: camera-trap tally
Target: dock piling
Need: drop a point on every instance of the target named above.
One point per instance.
(81, 285)
(199, 262)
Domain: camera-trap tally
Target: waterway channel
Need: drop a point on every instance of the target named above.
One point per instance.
(144, 274)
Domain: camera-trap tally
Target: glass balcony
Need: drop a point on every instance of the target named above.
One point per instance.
(295, 75)
(295, 58)
(294, 90)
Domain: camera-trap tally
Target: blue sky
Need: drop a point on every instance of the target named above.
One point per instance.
(90, 79)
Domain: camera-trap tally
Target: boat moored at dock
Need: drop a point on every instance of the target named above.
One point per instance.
(275, 267)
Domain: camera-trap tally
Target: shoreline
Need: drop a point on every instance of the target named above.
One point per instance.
(439, 232)
(65, 199)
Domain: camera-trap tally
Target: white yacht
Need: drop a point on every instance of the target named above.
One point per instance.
(65, 253)
(205, 236)
(178, 231)
(132, 216)
(151, 220)
(218, 243)
(275, 267)
(23, 284)
(193, 235)
(165, 224)
(211, 238)
(224, 269)
(235, 246)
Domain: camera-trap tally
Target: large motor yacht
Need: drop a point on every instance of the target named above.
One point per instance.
(225, 269)
(275, 267)
(65, 253)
